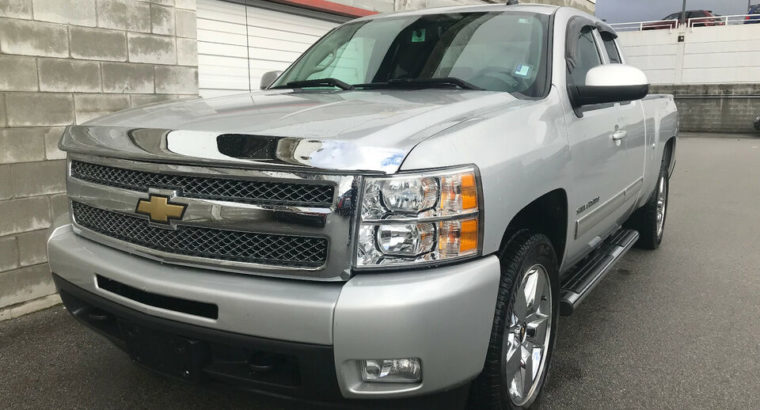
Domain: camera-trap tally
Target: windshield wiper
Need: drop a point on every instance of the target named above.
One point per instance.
(319, 82)
(421, 83)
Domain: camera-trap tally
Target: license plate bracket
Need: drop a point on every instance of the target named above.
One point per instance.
(166, 353)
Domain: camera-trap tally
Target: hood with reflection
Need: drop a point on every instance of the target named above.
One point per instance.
(341, 131)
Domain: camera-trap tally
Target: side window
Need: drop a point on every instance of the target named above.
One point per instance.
(585, 58)
(612, 50)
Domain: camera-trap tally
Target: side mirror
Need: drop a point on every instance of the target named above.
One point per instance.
(610, 83)
(268, 78)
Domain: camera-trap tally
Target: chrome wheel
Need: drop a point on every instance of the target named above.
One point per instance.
(528, 335)
(662, 199)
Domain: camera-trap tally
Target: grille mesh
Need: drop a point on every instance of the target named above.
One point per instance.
(259, 192)
(202, 242)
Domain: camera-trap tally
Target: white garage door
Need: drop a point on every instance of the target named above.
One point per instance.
(237, 44)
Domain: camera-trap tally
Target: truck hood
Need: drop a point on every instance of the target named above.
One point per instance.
(341, 130)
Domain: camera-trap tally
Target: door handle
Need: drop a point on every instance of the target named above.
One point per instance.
(619, 135)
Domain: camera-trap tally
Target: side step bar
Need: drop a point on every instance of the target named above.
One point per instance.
(591, 270)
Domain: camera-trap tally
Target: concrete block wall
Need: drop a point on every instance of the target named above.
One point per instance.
(66, 62)
(723, 108)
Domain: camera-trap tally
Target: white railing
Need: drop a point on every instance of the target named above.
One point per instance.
(724, 20)
(646, 25)
(737, 19)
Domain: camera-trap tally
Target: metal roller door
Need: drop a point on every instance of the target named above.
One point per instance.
(238, 43)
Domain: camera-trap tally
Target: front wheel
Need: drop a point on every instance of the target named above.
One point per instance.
(524, 327)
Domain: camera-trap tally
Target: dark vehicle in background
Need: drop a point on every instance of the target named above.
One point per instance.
(753, 16)
(757, 123)
(671, 21)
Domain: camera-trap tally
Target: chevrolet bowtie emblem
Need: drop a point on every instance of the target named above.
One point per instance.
(159, 209)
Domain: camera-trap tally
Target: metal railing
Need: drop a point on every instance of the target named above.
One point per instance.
(732, 20)
(645, 25)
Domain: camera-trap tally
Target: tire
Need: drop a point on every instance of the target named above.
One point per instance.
(649, 220)
(527, 261)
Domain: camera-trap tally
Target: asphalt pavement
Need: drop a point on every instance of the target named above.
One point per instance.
(675, 328)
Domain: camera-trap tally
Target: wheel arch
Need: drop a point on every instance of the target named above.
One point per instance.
(669, 155)
(546, 214)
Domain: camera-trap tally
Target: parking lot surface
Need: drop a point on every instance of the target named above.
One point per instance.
(674, 328)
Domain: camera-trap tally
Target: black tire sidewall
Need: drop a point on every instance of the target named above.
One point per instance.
(651, 211)
(522, 252)
(644, 220)
(664, 175)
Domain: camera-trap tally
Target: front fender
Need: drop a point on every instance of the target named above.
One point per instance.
(522, 153)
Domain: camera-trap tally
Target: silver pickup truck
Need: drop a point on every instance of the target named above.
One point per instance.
(403, 213)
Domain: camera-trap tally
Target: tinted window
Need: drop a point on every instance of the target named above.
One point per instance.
(612, 50)
(585, 57)
(497, 51)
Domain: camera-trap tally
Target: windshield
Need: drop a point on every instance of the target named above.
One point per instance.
(496, 51)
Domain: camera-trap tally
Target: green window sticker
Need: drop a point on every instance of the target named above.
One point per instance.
(418, 36)
(523, 70)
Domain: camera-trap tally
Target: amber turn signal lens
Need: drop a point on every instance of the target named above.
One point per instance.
(469, 192)
(459, 192)
(458, 238)
(468, 236)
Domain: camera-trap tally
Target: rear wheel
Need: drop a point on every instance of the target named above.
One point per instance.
(524, 328)
(649, 220)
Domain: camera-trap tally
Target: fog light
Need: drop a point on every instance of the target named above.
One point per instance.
(392, 370)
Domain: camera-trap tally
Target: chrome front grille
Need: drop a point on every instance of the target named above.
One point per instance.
(203, 242)
(261, 222)
(235, 190)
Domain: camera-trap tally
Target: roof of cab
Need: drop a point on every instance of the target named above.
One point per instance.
(532, 8)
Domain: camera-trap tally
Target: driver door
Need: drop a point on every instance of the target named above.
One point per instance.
(597, 200)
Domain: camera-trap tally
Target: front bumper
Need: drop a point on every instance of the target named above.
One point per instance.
(285, 368)
(442, 316)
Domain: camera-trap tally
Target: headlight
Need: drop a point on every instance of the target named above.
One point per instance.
(413, 219)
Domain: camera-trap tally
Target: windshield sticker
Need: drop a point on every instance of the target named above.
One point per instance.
(418, 36)
(523, 70)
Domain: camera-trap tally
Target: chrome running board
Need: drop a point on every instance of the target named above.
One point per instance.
(590, 271)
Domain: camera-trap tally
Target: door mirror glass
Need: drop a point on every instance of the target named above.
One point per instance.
(268, 78)
(610, 83)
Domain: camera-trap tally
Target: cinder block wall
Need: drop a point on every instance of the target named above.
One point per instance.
(715, 107)
(65, 62)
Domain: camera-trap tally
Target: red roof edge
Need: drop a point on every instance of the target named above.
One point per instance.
(329, 7)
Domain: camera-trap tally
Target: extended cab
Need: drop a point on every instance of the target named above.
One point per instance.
(405, 211)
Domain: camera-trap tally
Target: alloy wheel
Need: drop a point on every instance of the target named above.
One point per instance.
(527, 338)
(662, 199)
